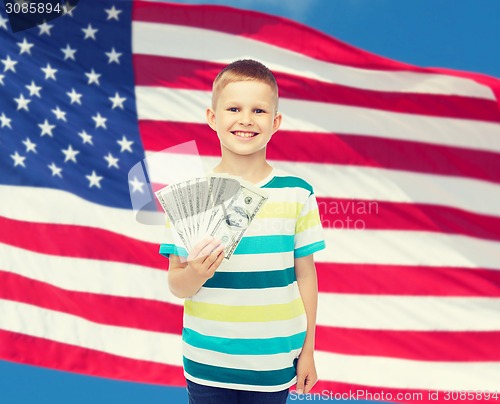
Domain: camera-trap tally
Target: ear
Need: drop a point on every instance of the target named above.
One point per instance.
(210, 115)
(277, 121)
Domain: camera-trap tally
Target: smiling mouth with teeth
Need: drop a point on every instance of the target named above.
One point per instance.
(244, 135)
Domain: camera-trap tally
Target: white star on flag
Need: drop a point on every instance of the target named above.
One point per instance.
(5, 121)
(34, 89)
(100, 121)
(86, 137)
(22, 103)
(3, 22)
(94, 180)
(9, 64)
(30, 146)
(68, 8)
(136, 185)
(55, 170)
(125, 144)
(1, 79)
(93, 77)
(46, 128)
(45, 29)
(113, 56)
(69, 53)
(50, 73)
(112, 13)
(60, 115)
(117, 101)
(70, 154)
(75, 97)
(18, 159)
(112, 161)
(25, 47)
(90, 32)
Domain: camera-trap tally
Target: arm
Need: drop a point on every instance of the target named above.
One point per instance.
(186, 278)
(305, 271)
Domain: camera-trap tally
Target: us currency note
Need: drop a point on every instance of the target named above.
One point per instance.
(220, 206)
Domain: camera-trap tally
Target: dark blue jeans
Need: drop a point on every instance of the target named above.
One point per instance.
(199, 394)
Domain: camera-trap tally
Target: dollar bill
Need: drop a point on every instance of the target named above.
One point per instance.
(220, 206)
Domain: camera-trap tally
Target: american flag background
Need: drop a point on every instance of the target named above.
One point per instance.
(404, 162)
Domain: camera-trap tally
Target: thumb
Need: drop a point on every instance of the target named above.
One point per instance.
(300, 384)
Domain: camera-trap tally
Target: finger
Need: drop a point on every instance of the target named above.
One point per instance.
(206, 266)
(208, 248)
(212, 258)
(309, 384)
(300, 384)
(218, 260)
(195, 252)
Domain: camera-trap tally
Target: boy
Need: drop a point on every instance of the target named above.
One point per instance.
(248, 319)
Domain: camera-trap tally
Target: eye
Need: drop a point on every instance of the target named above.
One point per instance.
(259, 111)
(233, 109)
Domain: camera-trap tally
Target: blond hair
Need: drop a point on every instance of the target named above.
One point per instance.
(244, 70)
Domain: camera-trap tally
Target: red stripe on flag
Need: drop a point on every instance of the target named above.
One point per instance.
(358, 214)
(384, 279)
(132, 312)
(161, 71)
(271, 29)
(330, 148)
(439, 346)
(23, 348)
(67, 241)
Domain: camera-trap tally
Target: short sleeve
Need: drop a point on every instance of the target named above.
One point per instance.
(172, 243)
(309, 236)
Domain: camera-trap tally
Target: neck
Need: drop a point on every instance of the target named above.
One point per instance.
(252, 168)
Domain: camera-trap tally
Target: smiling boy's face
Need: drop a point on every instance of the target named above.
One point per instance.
(244, 117)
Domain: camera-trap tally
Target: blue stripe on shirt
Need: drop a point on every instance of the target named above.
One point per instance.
(244, 346)
(238, 376)
(252, 280)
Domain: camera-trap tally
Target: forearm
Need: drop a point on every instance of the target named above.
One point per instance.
(308, 287)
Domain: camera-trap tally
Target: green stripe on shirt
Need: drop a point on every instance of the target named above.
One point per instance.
(309, 249)
(244, 346)
(289, 182)
(239, 376)
(266, 244)
(252, 280)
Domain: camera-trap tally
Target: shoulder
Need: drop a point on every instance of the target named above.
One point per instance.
(285, 180)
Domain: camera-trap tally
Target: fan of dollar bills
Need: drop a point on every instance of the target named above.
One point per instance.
(218, 206)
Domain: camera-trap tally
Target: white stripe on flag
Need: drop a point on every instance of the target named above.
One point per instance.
(393, 247)
(408, 374)
(180, 105)
(51, 207)
(374, 184)
(66, 328)
(197, 44)
(87, 275)
(412, 313)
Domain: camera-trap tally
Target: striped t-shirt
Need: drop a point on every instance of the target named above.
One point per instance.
(246, 326)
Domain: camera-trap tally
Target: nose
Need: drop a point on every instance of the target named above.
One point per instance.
(246, 118)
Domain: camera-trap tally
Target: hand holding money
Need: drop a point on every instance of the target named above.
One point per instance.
(219, 206)
(185, 278)
(205, 257)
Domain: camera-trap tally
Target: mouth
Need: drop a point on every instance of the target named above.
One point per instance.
(244, 135)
